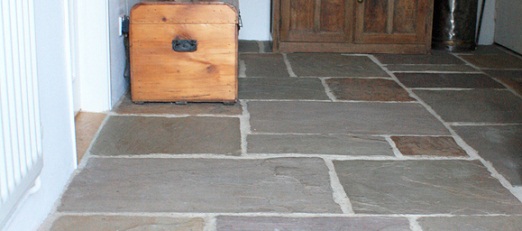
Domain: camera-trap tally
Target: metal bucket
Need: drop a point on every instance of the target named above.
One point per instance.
(454, 25)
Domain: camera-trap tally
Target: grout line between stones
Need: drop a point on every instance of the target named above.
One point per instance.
(210, 223)
(393, 145)
(328, 90)
(469, 150)
(414, 224)
(261, 46)
(288, 66)
(244, 126)
(339, 195)
(242, 69)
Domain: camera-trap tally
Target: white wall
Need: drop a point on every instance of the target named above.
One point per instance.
(256, 19)
(487, 32)
(93, 55)
(119, 85)
(57, 115)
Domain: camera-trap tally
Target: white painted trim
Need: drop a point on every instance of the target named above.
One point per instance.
(93, 55)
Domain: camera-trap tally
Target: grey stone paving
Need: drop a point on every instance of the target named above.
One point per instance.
(333, 65)
(125, 135)
(284, 185)
(430, 68)
(494, 61)
(442, 80)
(479, 105)
(424, 187)
(495, 223)
(264, 65)
(319, 144)
(91, 223)
(428, 145)
(436, 57)
(367, 89)
(126, 106)
(351, 118)
(500, 145)
(311, 224)
(224, 178)
(248, 46)
(282, 88)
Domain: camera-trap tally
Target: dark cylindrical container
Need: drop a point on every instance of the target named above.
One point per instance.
(454, 25)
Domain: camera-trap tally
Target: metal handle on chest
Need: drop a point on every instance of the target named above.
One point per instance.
(184, 45)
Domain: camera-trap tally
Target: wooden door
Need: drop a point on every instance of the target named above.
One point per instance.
(393, 21)
(315, 20)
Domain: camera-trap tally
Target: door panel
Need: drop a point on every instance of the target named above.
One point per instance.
(392, 21)
(316, 21)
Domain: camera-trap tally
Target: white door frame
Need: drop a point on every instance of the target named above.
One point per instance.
(91, 61)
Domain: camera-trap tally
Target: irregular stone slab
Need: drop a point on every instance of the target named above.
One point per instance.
(344, 118)
(319, 144)
(89, 223)
(87, 125)
(500, 145)
(486, 49)
(479, 105)
(442, 80)
(367, 89)
(437, 57)
(125, 135)
(430, 68)
(285, 185)
(282, 88)
(333, 65)
(311, 224)
(248, 46)
(264, 65)
(428, 146)
(494, 223)
(126, 106)
(494, 61)
(424, 187)
(511, 78)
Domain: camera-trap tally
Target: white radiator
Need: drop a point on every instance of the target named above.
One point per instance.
(20, 135)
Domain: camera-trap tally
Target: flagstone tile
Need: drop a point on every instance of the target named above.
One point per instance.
(431, 68)
(500, 145)
(282, 88)
(494, 61)
(126, 135)
(343, 118)
(333, 65)
(264, 65)
(126, 106)
(479, 105)
(476, 223)
(367, 89)
(126, 185)
(248, 46)
(225, 223)
(87, 125)
(424, 187)
(428, 146)
(444, 80)
(319, 144)
(98, 222)
(436, 57)
(511, 78)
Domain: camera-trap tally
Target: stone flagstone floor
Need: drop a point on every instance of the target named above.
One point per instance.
(317, 142)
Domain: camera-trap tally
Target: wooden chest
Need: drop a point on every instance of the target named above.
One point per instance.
(184, 51)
